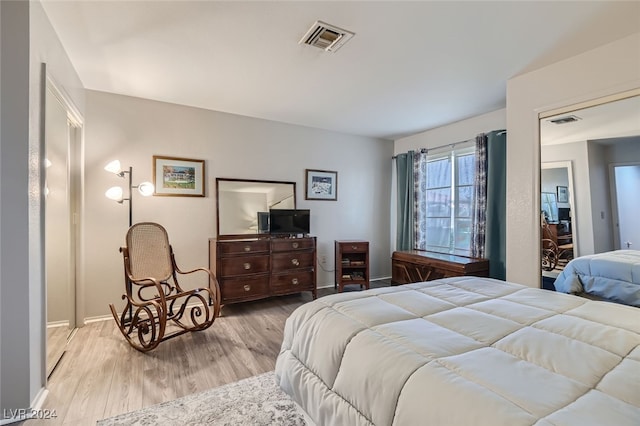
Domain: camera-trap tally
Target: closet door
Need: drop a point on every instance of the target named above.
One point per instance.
(59, 237)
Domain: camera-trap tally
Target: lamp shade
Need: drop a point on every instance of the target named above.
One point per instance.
(113, 167)
(114, 193)
(146, 188)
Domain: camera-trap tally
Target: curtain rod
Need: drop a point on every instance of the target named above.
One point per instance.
(452, 145)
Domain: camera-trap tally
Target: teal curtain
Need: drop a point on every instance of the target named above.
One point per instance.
(496, 213)
(405, 182)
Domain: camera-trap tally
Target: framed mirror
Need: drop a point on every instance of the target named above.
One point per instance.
(582, 148)
(242, 206)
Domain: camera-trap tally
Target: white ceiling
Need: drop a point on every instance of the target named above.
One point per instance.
(411, 66)
(606, 123)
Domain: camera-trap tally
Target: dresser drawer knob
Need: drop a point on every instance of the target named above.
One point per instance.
(295, 281)
(247, 266)
(247, 287)
(354, 247)
(247, 248)
(295, 245)
(295, 262)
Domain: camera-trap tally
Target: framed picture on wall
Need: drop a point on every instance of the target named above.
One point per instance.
(178, 177)
(563, 194)
(321, 185)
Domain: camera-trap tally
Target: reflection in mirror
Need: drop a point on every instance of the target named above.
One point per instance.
(593, 142)
(243, 205)
(549, 207)
(61, 159)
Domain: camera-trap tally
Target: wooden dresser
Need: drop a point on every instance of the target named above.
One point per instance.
(250, 269)
(412, 266)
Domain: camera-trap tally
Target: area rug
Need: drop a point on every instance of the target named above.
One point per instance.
(257, 400)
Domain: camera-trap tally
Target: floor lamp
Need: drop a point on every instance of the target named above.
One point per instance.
(116, 193)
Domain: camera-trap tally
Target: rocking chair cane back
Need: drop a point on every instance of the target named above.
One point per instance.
(157, 308)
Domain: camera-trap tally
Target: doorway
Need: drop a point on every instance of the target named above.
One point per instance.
(625, 181)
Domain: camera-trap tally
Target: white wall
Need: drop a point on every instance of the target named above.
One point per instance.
(624, 151)
(16, 343)
(133, 130)
(552, 178)
(455, 132)
(602, 225)
(609, 69)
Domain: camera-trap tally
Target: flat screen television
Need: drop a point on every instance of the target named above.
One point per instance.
(289, 221)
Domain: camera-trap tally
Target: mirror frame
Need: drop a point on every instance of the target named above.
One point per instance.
(237, 236)
(569, 108)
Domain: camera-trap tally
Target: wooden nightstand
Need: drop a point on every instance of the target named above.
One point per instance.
(352, 263)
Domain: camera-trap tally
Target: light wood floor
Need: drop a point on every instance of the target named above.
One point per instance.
(101, 376)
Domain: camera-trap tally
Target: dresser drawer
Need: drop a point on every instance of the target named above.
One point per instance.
(288, 244)
(282, 262)
(292, 282)
(234, 289)
(244, 265)
(243, 247)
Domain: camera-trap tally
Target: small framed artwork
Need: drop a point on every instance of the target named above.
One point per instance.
(321, 185)
(180, 177)
(563, 194)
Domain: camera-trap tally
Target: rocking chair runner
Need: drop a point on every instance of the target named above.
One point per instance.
(154, 298)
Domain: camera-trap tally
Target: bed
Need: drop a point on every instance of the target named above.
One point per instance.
(462, 351)
(613, 275)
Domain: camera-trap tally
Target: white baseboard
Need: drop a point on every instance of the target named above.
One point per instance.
(53, 324)
(14, 415)
(97, 319)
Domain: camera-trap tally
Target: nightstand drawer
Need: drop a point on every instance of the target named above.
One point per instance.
(355, 247)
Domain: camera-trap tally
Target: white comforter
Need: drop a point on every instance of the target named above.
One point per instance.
(463, 351)
(613, 275)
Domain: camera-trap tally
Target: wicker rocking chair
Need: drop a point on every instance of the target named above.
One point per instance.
(157, 308)
(553, 253)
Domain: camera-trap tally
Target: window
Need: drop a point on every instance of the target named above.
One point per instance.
(448, 199)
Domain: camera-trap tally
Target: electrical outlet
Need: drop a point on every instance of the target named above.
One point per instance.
(323, 259)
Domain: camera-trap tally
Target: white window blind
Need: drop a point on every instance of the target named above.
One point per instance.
(449, 195)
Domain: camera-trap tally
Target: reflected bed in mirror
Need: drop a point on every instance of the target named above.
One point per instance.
(242, 206)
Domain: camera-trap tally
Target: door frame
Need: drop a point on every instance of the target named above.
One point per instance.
(614, 201)
(568, 164)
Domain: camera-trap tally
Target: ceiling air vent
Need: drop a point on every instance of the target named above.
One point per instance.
(566, 119)
(326, 37)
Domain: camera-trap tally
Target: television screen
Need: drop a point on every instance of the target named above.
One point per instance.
(289, 221)
(564, 213)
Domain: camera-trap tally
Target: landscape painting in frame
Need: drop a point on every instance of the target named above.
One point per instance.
(175, 176)
(321, 185)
